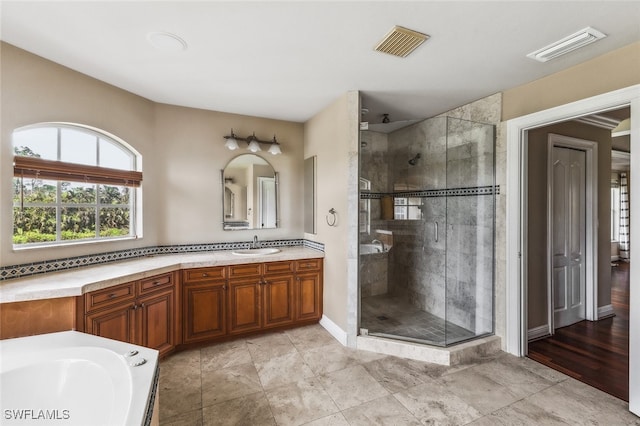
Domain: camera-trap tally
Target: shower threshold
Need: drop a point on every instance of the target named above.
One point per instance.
(440, 344)
(462, 352)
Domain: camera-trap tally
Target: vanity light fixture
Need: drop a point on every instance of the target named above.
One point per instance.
(274, 149)
(254, 146)
(231, 143)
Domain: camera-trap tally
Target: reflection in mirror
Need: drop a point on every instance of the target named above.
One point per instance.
(250, 194)
(310, 195)
(229, 199)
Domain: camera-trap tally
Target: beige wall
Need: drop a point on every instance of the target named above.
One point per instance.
(192, 156)
(612, 71)
(537, 213)
(35, 90)
(615, 70)
(182, 151)
(328, 136)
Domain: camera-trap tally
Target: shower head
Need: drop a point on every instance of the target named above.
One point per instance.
(415, 159)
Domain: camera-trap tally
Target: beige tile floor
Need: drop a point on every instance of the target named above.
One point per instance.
(304, 377)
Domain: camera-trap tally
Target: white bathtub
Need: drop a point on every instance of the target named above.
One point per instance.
(73, 378)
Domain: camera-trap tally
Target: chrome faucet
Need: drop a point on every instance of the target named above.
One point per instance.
(256, 243)
(375, 242)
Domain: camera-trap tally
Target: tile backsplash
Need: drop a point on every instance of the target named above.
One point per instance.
(26, 269)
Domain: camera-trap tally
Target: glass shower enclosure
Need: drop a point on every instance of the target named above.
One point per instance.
(427, 226)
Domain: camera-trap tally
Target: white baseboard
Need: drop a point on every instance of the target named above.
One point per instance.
(538, 332)
(605, 311)
(339, 334)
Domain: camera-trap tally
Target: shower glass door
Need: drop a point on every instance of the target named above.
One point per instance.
(426, 248)
(470, 230)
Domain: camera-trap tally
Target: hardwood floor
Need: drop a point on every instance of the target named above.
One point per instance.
(594, 352)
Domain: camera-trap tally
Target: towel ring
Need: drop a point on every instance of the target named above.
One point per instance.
(334, 217)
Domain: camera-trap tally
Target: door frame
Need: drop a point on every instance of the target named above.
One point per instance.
(261, 181)
(591, 224)
(515, 337)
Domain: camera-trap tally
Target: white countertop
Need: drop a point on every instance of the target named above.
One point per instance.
(77, 281)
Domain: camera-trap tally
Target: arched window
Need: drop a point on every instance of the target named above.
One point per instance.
(72, 183)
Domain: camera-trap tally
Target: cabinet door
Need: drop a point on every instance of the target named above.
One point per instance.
(117, 322)
(156, 321)
(244, 305)
(309, 296)
(278, 300)
(204, 311)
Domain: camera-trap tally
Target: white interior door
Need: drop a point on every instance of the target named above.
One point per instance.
(568, 235)
(267, 202)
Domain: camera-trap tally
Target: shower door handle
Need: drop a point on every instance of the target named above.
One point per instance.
(436, 231)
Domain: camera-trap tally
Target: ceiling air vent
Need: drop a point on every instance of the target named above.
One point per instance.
(574, 41)
(401, 42)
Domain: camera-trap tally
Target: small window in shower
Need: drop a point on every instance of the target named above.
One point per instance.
(407, 208)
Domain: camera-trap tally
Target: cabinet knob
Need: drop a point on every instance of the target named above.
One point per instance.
(134, 307)
(156, 283)
(111, 295)
(224, 287)
(204, 274)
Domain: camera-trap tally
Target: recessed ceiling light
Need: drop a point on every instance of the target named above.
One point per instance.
(401, 41)
(166, 42)
(574, 41)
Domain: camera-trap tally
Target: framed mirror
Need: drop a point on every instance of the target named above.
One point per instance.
(249, 194)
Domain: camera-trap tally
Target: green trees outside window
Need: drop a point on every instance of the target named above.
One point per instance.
(49, 211)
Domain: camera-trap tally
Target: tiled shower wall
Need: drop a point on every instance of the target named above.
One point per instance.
(450, 274)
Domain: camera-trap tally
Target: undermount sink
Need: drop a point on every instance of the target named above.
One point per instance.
(256, 251)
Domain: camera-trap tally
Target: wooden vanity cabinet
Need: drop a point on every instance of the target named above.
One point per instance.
(278, 293)
(240, 299)
(141, 312)
(204, 298)
(308, 292)
(260, 296)
(155, 321)
(244, 305)
(110, 312)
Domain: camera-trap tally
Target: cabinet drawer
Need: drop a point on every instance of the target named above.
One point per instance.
(278, 267)
(109, 296)
(308, 265)
(203, 274)
(246, 270)
(154, 283)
